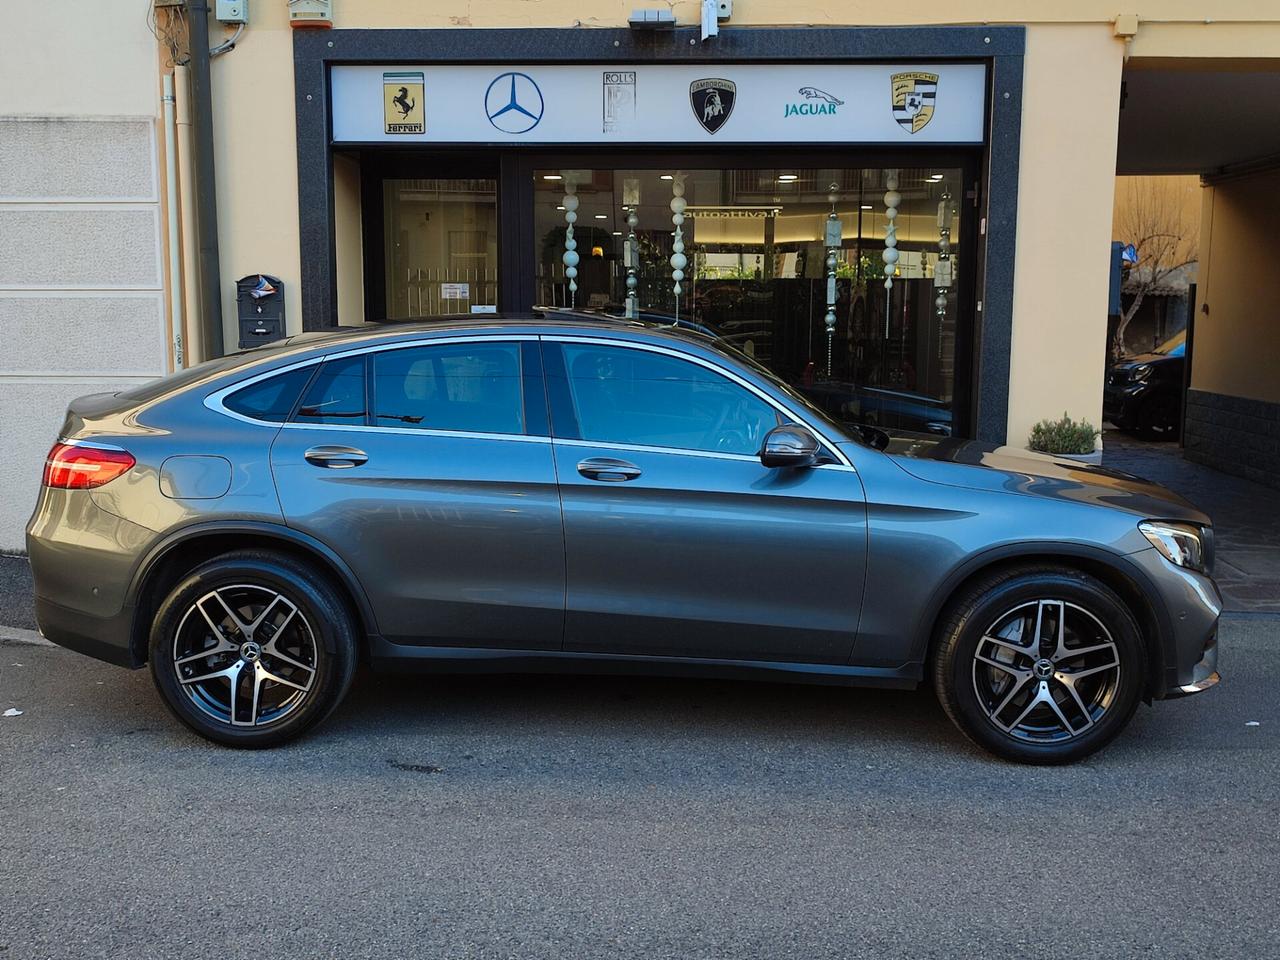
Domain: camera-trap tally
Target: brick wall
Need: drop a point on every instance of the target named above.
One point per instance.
(1234, 434)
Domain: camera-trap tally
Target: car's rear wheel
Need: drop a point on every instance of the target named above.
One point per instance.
(1040, 664)
(252, 649)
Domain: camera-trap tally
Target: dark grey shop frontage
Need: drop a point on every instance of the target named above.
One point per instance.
(838, 204)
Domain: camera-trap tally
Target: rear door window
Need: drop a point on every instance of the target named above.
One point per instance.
(463, 387)
(337, 395)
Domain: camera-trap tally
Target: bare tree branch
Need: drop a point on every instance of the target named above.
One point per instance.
(1165, 238)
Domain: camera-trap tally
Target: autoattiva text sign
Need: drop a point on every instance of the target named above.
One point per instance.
(660, 103)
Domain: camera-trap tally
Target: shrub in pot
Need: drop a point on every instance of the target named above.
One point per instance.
(1066, 438)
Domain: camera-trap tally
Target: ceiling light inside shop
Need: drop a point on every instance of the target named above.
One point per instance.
(666, 176)
(617, 233)
(602, 216)
(561, 207)
(935, 177)
(552, 176)
(867, 206)
(787, 178)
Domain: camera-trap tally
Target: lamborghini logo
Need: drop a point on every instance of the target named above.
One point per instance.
(913, 96)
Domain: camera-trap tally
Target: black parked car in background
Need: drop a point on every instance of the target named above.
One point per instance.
(1143, 394)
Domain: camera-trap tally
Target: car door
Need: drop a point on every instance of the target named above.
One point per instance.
(428, 468)
(678, 541)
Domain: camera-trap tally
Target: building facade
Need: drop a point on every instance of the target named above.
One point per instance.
(937, 180)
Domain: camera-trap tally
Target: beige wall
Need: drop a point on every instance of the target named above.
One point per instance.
(255, 143)
(348, 240)
(1071, 98)
(82, 303)
(1237, 325)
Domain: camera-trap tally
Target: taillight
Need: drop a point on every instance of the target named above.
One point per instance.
(81, 468)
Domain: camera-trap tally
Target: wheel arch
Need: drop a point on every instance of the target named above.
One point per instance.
(176, 555)
(1113, 569)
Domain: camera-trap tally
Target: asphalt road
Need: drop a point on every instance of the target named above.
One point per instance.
(550, 817)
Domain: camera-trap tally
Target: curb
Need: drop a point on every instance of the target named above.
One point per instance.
(19, 635)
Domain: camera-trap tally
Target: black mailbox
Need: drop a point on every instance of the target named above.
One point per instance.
(260, 307)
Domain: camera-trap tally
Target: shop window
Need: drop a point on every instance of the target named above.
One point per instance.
(468, 387)
(755, 272)
(441, 246)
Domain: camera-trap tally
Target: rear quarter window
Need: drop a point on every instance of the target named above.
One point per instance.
(271, 399)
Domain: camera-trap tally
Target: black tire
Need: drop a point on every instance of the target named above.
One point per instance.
(1158, 418)
(300, 664)
(970, 690)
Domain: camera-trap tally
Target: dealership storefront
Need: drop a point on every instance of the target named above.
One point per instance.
(835, 203)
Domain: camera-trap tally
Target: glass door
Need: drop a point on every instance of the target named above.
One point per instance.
(440, 246)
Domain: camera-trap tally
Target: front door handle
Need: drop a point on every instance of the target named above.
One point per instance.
(335, 457)
(608, 469)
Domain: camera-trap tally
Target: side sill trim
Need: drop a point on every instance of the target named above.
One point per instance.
(386, 654)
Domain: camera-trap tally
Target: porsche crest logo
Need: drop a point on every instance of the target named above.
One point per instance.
(913, 96)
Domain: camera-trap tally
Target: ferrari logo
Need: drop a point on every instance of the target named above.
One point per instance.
(913, 96)
(402, 107)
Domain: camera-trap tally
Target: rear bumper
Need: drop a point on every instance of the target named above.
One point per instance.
(105, 638)
(82, 562)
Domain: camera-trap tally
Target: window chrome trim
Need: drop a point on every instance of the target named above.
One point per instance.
(414, 432)
(833, 449)
(214, 401)
(643, 448)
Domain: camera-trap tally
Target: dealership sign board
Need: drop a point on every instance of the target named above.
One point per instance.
(660, 103)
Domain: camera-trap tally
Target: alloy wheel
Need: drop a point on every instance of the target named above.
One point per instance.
(245, 655)
(1046, 671)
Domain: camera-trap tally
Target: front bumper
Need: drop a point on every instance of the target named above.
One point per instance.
(1191, 605)
(1203, 675)
(1119, 401)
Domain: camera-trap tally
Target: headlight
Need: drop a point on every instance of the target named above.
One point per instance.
(1140, 372)
(1181, 543)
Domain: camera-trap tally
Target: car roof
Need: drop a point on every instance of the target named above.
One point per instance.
(552, 320)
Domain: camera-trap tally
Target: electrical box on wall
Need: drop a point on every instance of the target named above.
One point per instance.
(231, 11)
(260, 309)
(310, 13)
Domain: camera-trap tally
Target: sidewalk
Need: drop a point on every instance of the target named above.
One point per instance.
(1246, 517)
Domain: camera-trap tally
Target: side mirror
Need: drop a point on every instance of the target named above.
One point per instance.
(790, 445)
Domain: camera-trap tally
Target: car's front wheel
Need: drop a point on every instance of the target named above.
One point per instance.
(252, 649)
(1040, 664)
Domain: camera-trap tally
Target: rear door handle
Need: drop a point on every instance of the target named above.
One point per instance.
(335, 457)
(608, 469)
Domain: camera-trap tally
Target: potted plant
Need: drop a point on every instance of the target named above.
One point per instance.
(1072, 439)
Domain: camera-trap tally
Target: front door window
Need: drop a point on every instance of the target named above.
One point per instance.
(639, 397)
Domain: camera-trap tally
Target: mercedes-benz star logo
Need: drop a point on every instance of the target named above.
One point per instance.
(513, 103)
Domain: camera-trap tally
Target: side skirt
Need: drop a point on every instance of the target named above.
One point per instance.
(391, 657)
